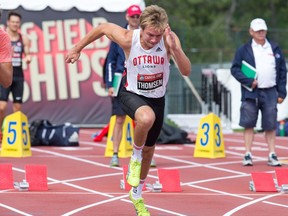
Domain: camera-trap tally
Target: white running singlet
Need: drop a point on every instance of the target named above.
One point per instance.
(147, 70)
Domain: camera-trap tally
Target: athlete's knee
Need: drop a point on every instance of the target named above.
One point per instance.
(2, 108)
(145, 116)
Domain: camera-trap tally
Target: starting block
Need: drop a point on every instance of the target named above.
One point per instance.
(282, 176)
(155, 187)
(126, 143)
(262, 182)
(21, 186)
(102, 133)
(6, 177)
(123, 182)
(36, 177)
(170, 180)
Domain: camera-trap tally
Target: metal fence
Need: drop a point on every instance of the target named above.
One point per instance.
(179, 98)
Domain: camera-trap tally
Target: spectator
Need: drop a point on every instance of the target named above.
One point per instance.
(265, 91)
(20, 44)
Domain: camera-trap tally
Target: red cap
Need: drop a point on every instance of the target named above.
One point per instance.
(134, 10)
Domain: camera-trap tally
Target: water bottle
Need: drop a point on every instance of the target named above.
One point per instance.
(282, 128)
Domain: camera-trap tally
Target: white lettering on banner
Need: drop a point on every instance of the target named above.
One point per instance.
(82, 31)
(46, 26)
(61, 77)
(49, 75)
(60, 35)
(28, 29)
(70, 35)
(103, 41)
(52, 34)
(76, 75)
(97, 67)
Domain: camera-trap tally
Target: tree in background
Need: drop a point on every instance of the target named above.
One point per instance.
(211, 30)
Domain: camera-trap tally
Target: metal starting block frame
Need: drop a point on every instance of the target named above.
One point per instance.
(155, 187)
(122, 184)
(284, 188)
(21, 186)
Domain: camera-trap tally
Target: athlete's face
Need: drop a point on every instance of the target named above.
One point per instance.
(14, 23)
(150, 37)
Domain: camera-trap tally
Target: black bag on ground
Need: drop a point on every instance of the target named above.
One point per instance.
(43, 133)
(173, 135)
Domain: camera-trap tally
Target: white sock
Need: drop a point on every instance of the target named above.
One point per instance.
(137, 152)
(137, 191)
(271, 153)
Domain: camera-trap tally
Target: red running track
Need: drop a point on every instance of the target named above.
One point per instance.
(80, 182)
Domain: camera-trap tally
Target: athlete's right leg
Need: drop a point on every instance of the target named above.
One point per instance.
(144, 119)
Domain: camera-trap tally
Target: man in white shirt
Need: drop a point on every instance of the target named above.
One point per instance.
(268, 89)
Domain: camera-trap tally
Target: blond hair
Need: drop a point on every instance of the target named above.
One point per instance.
(154, 16)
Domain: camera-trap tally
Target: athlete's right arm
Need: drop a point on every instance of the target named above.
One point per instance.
(112, 31)
(6, 69)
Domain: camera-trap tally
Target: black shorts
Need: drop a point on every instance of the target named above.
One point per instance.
(116, 107)
(16, 88)
(267, 104)
(130, 102)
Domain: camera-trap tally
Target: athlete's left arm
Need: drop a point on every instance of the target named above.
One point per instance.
(175, 49)
(26, 43)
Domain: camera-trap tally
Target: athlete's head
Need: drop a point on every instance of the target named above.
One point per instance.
(153, 22)
(14, 20)
(154, 16)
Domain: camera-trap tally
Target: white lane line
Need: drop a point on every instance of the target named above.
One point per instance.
(200, 165)
(250, 203)
(160, 209)
(195, 164)
(92, 191)
(276, 204)
(94, 144)
(74, 158)
(14, 210)
(256, 143)
(93, 205)
(215, 179)
(71, 185)
(221, 192)
(87, 178)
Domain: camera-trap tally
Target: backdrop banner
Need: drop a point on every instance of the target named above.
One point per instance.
(57, 91)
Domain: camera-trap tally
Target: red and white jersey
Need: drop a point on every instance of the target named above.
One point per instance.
(5, 47)
(147, 70)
